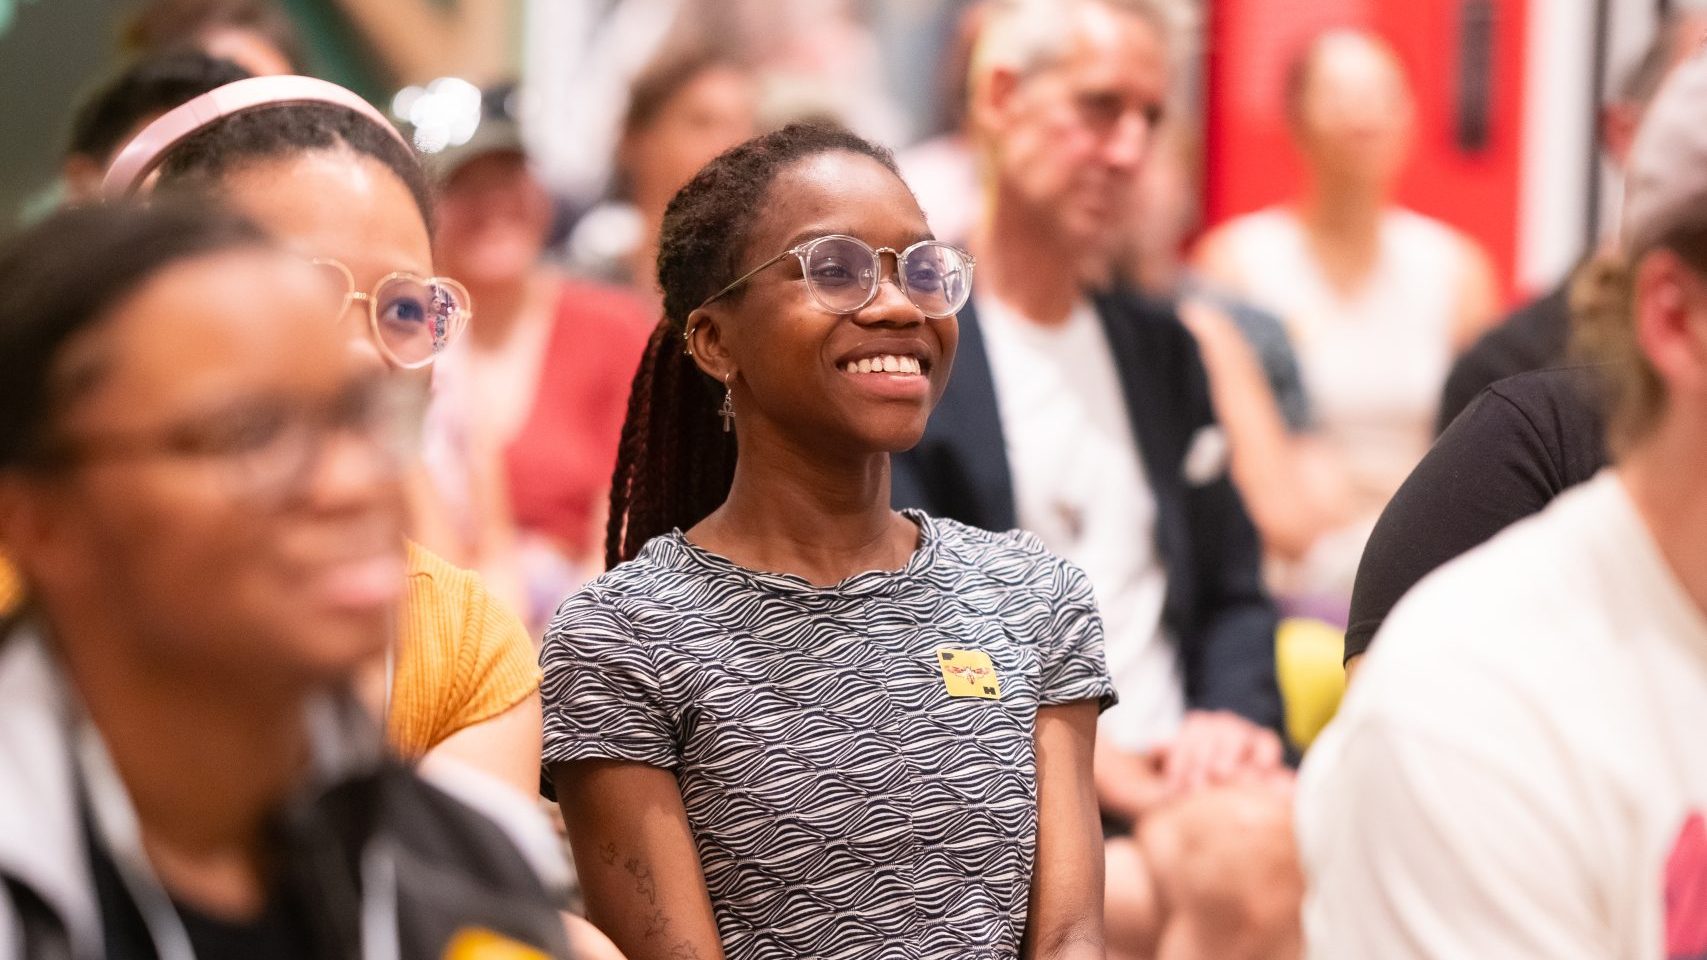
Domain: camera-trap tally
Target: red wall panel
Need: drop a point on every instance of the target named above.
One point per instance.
(1250, 160)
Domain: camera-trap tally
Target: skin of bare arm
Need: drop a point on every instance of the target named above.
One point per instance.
(1479, 298)
(1065, 919)
(1290, 493)
(635, 857)
(506, 746)
(420, 40)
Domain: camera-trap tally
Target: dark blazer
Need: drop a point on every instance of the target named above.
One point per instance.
(1216, 608)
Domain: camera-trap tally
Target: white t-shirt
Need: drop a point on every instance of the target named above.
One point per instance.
(1519, 769)
(1079, 485)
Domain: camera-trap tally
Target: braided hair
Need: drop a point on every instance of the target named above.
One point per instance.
(675, 463)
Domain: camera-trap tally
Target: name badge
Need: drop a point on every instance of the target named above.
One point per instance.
(969, 673)
(473, 943)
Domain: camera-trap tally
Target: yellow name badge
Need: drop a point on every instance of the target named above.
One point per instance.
(473, 943)
(969, 673)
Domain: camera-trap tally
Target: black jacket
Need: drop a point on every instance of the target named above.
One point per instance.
(1216, 608)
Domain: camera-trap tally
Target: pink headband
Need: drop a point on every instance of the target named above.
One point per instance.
(145, 151)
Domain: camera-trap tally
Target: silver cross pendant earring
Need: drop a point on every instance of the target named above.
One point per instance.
(727, 411)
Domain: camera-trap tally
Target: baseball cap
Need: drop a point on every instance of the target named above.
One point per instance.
(1665, 185)
(497, 132)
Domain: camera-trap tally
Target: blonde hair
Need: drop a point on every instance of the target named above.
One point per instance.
(1603, 333)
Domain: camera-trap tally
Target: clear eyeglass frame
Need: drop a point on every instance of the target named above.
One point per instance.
(803, 252)
(455, 322)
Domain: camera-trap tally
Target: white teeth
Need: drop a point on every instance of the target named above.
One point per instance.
(888, 363)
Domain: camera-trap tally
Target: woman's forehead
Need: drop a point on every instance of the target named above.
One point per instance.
(840, 192)
(335, 204)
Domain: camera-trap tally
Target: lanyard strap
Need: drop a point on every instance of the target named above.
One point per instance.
(114, 825)
(113, 822)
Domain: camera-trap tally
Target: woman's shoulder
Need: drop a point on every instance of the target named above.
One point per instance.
(644, 588)
(1012, 557)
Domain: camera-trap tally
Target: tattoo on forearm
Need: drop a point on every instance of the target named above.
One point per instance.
(646, 885)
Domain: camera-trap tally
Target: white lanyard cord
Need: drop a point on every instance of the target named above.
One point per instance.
(116, 829)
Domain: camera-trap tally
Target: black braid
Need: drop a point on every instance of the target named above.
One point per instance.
(675, 464)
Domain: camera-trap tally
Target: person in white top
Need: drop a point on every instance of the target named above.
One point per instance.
(1378, 300)
(1518, 771)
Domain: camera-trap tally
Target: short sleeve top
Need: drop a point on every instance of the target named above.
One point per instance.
(856, 761)
(1524, 440)
(463, 656)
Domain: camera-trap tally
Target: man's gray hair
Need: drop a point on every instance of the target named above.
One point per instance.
(1029, 35)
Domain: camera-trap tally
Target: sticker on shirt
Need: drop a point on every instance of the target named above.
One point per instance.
(1686, 893)
(969, 673)
(472, 943)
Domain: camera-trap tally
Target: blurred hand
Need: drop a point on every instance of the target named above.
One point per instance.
(1217, 747)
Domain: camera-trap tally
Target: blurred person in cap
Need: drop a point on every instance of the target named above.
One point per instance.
(1084, 417)
(203, 492)
(122, 105)
(257, 35)
(1517, 772)
(1379, 299)
(544, 374)
(684, 109)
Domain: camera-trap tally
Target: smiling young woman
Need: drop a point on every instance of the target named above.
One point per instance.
(793, 721)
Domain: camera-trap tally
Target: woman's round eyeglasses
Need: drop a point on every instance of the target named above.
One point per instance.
(842, 274)
(412, 319)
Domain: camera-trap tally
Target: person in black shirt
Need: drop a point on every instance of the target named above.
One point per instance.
(1533, 337)
(1522, 442)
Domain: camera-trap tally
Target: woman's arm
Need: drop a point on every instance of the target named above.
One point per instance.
(635, 856)
(419, 40)
(506, 746)
(1288, 488)
(1067, 880)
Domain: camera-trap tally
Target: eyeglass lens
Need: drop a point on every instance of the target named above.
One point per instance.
(281, 445)
(843, 274)
(413, 319)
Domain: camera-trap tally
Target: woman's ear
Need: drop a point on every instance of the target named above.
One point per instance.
(708, 344)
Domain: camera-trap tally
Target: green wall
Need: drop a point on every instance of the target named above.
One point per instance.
(50, 52)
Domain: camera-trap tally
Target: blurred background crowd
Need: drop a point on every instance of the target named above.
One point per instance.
(1364, 211)
(1361, 220)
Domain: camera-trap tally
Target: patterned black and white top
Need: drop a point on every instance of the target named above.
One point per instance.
(856, 761)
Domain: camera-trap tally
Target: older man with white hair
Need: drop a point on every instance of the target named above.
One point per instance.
(1084, 417)
(1518, 771)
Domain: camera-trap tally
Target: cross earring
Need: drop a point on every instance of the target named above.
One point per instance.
(727, 411)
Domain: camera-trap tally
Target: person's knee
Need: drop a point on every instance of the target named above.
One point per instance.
(1133, 920)
(1227, 857)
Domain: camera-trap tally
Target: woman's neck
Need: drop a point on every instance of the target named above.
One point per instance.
(204, 770)
(1342, 224)
(792, 512)
(1341, 213)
